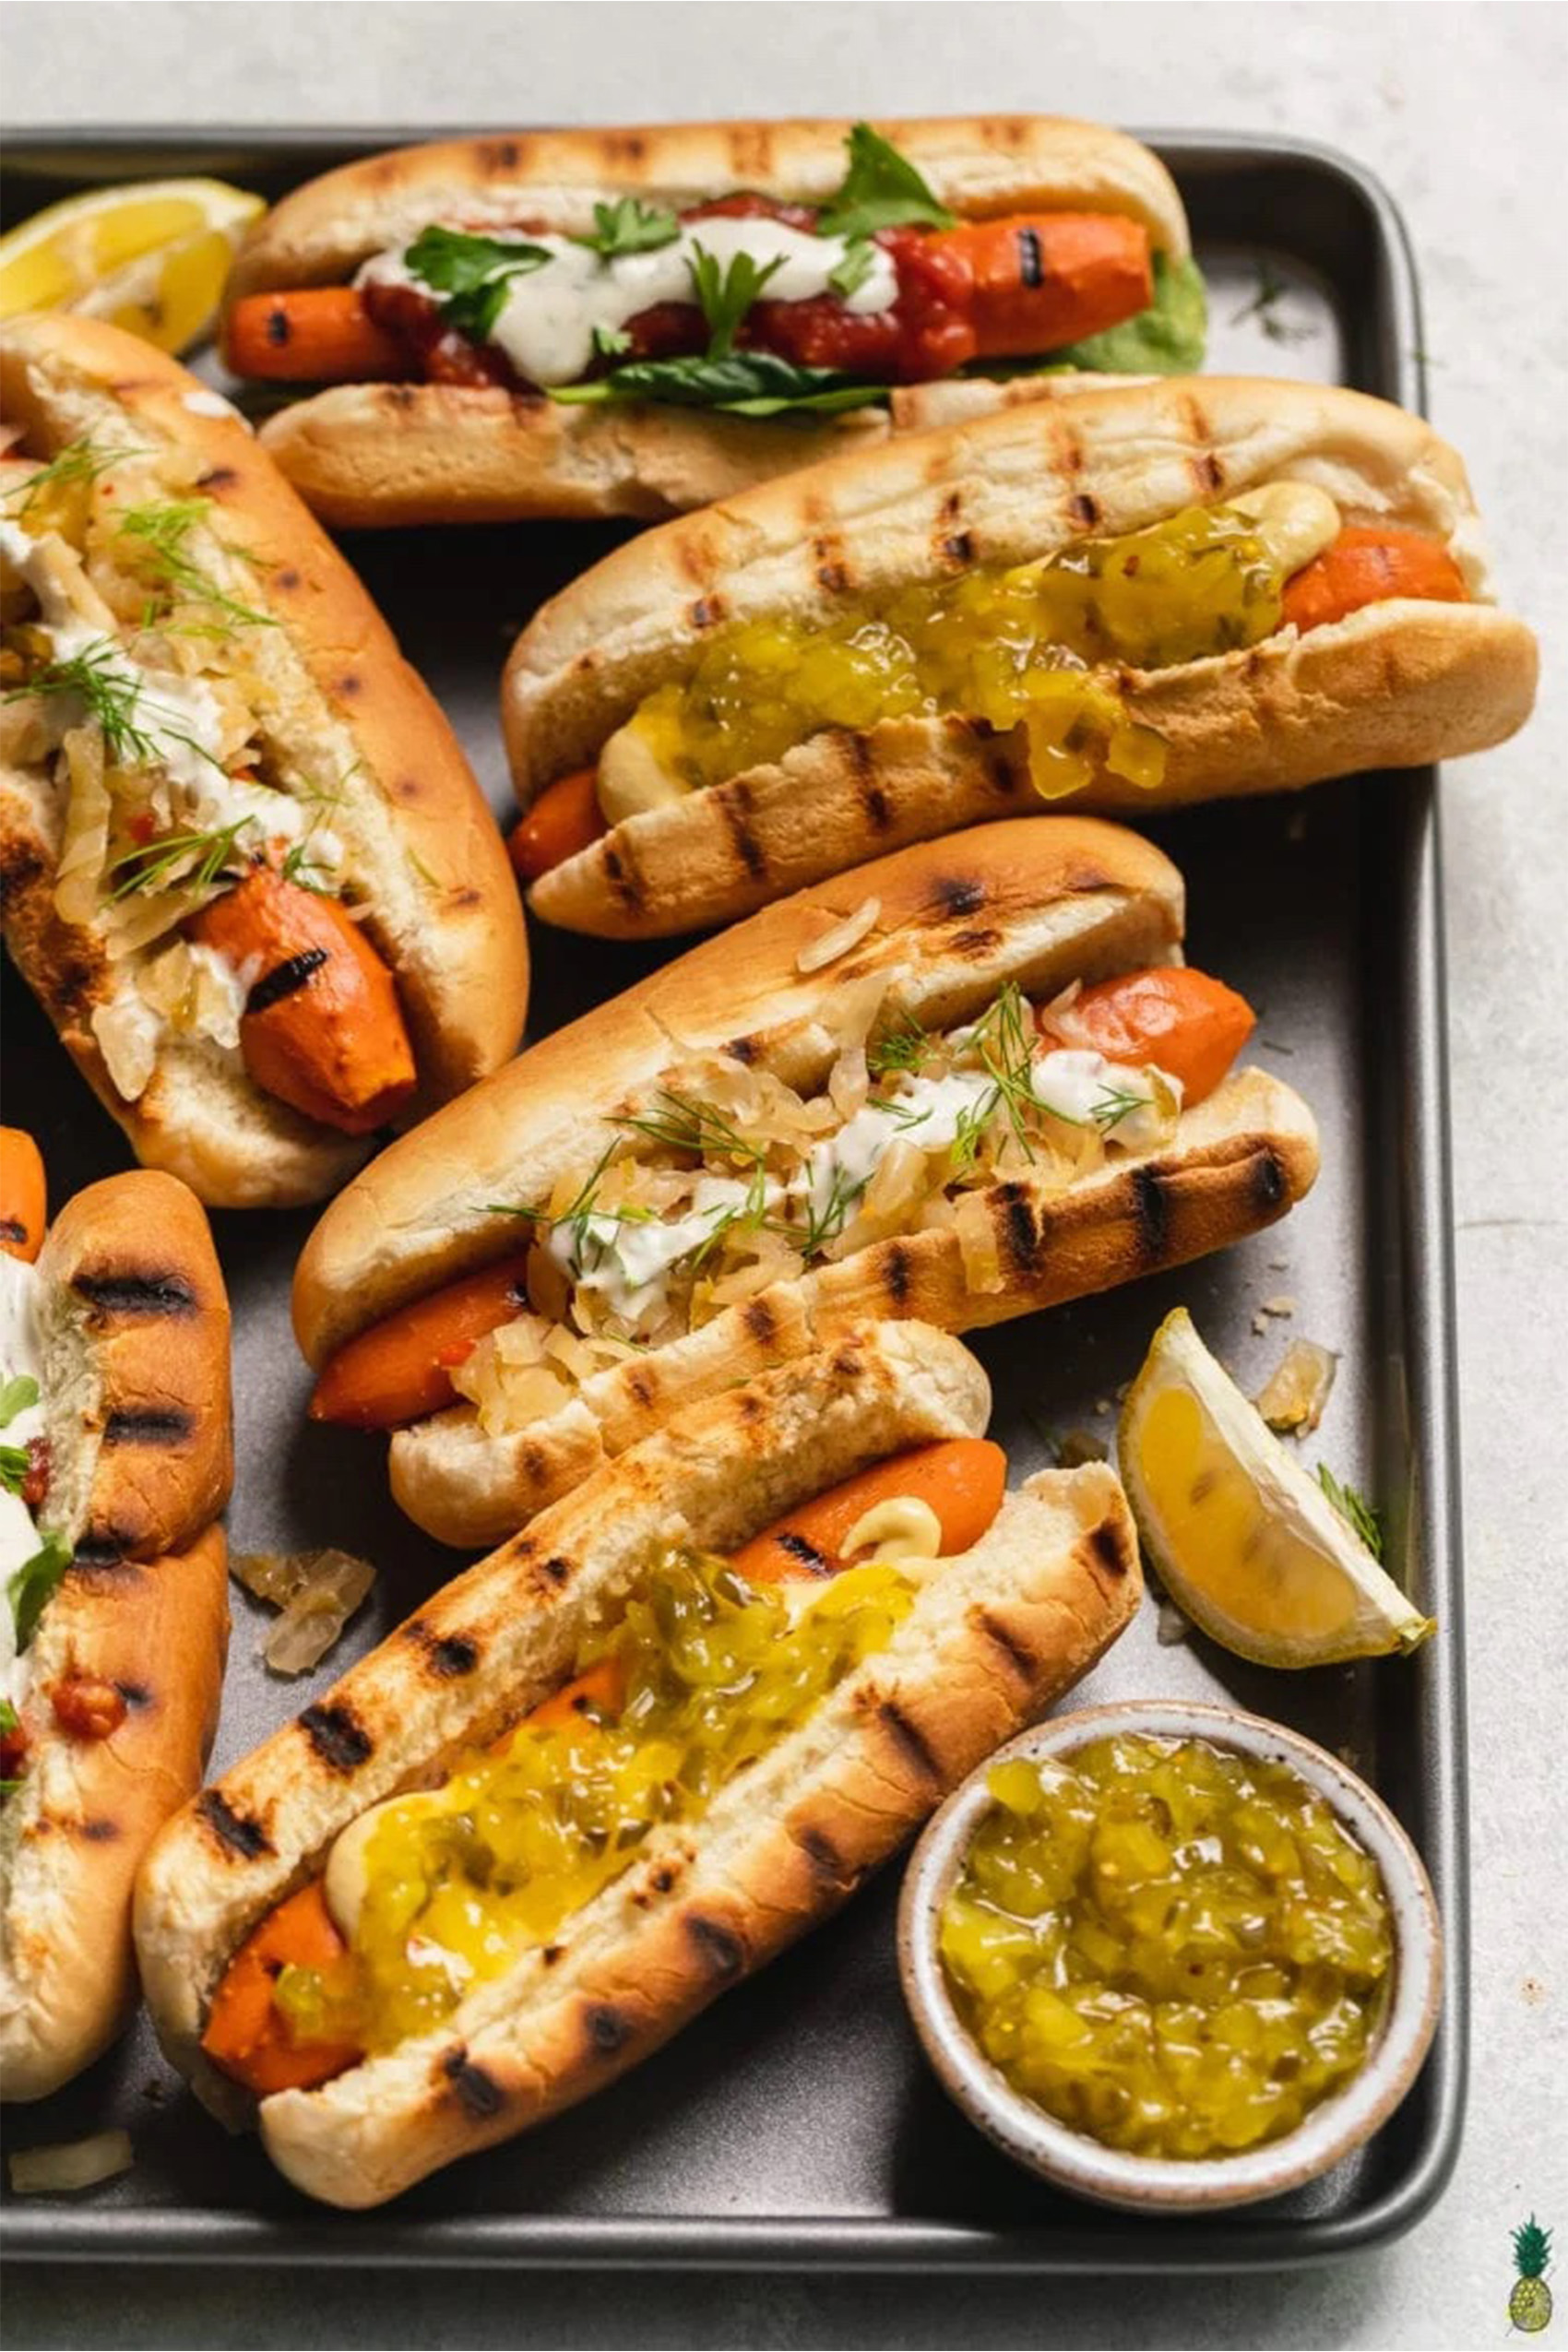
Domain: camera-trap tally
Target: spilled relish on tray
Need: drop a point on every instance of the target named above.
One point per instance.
(1176, 1949)
(1001, 646)
(704, 1674)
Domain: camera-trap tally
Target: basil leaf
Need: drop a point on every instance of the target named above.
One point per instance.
(727, 295)
(473, 273)
(880, 190)
(32, 1584)
(1165, 340)
(14, 1465)
(753, 384)
(630, 226)
(16, 1397)
(858, 260)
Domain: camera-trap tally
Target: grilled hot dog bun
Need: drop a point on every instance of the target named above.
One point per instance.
(334, 708)
(135, 1391)
(1397, 684)
(994, 1637)
(365, 454)
(1039, 904)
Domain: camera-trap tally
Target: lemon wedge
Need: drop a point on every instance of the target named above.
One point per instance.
(1244, 1541)
(152, 256)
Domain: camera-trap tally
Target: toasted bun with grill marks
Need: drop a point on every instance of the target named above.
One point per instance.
(1038, 903)
(136, 1331)
(1395, 684)
(442, 908)
(994, 1636)
(369, 453)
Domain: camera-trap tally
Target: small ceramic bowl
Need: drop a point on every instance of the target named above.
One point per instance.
(1156, 2184)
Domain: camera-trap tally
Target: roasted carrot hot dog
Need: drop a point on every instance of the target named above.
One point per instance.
(1192, 1025)
(401, 1369)
(561, 822)
(23, 1196)
(962, 1480)
(322, 1028)
(1371, 565)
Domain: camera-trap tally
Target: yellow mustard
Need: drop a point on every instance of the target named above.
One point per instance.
(1176, 1949)
(707, 1672)
(1001, 646)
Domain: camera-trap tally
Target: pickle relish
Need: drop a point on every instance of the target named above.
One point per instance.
(1176, 1949)
(713, 1671)
(1001, 646)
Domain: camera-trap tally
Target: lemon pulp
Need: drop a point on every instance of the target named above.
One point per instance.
(715, 1671)
(151, 259)
(1001, 646)
(1175, 1948)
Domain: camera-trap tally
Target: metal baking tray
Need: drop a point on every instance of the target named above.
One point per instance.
(796, 2124)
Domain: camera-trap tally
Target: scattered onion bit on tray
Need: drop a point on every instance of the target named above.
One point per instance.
(70, 2164)
(1293, 1398)
(317, 1592)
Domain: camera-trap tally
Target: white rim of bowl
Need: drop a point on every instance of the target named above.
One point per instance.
(1073, 2160)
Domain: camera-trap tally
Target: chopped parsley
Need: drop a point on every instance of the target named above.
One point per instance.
(881, 189)
(473, 273)
(630, 226)
(30, 1587)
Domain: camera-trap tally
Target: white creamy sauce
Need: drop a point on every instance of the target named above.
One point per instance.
(546, 325)
(204, 403)
(21, 1352)
(628, 1260)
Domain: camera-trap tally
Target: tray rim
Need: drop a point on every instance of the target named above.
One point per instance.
(883, 2244)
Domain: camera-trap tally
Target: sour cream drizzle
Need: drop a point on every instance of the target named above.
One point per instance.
(546, 327)
(628, 1260)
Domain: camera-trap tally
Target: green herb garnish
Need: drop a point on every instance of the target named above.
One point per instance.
(17, 1395)
(192, 860)
(860, 260)
(473, 273)
(745, 384)
(30, 1589)
(609, 342)
(726, 295)
(14, 1464)
(160, 550)
(907, 1047)
(1354, 1509)
(114, 696)
(79, 461)
(880, 190)
(630, 226)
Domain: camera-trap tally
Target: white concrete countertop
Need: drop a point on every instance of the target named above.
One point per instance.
(1461, 112)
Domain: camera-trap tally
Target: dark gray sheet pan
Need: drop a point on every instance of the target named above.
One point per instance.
(796, 2124)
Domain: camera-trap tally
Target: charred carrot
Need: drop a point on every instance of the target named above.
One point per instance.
(1184, 1023)
(1041, 280)
(315, 335)
(962, 1480)
(23, 1196)
(401, 1370)
(322, 1029)
(1366, 565)
(246, 2033)
(565, 818)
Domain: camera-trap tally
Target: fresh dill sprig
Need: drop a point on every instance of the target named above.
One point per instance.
(1112, 1105)
(823, 1225)
(77, 462)
(160, 536)
(299, 867)
(1003, 1040)
(117, 702)
(157, 865)
(1264, 307)
(1354, 1509)
(907, 1047)
(686, 1124)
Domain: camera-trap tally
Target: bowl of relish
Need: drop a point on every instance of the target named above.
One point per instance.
(1170, 1956)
